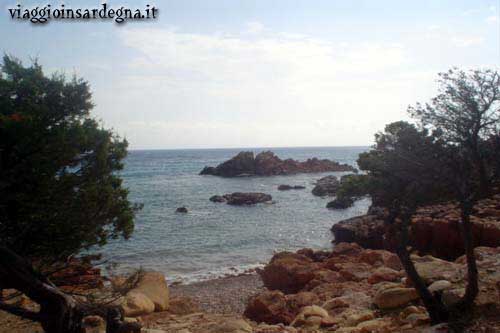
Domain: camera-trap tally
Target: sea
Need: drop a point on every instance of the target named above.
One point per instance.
(215, 239)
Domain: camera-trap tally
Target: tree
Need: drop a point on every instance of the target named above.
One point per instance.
(59, 188)
(404, 172)
(466, 112)
(60, 191)
(453, 155)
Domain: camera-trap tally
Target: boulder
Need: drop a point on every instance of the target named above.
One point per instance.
(269, 307)
(452, 296)
(217, 198)
(181, 210)
(326, 186)
(154, 286)
(351, 299)
(312, 316)
(295, 302)
(381, 258)
(137, 304)
(231, 326)
(366, 230)
(385, 274)
(379, 325)
(288, 272)
(394, 297)
(250, 198)
(290, 187)
(433, 269)
(439, 286)
(340, 203)
(268, 164)
(359, 317)
(93, 324)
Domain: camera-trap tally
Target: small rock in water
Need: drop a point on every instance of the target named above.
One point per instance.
(340, 203)
(217, 198)
(290, 187)
(181, 210)
(239, 198)
(326, 186)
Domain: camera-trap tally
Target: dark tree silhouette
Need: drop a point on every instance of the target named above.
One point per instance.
(453, 156)
(59, 188)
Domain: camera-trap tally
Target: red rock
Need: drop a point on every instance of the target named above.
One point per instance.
(346, 248)
(268, 164)
(297, 301)
(434, 230)
(269, 307)
(353, 271)
(288, 272)
(385, 274)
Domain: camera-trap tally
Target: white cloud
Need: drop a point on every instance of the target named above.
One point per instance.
(266, 89)
(272, 89)
(493, 19)
(255, 27)
(466, 41)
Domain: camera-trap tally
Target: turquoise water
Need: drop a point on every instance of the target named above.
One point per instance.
(215, 239)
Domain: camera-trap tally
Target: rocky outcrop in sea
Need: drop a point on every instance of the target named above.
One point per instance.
(268, 164)
(242, 198)
(326, 186)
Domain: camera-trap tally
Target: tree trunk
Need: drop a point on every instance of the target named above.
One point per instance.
(438, 312)
(472, 288)
(59, 313)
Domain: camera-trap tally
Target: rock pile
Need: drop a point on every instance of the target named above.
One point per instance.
(352, 289)
(268, 164)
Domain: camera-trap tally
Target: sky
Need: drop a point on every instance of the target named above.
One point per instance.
(260, 73)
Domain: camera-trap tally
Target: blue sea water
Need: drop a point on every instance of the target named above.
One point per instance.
(215, 239)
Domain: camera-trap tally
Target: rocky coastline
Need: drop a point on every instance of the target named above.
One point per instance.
(358, 286)
(434, 229)
(267, 163)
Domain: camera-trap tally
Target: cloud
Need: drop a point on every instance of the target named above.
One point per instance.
(275, 88)
(254, 27)
(466, 41)
(267, 88)
(493, 19)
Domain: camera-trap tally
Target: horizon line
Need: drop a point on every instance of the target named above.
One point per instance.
(267, 147)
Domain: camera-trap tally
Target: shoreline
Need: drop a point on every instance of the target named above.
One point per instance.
(224, 295)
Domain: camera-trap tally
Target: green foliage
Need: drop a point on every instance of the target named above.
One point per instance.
(466, 114)
(353, 186)
(406, 165)
(467, 108)
(59, 188)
